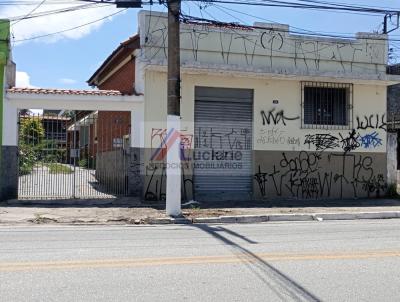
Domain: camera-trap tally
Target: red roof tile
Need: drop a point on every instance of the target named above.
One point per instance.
(63, 91)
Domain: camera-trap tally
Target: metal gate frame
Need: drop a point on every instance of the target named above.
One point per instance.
(74, 155)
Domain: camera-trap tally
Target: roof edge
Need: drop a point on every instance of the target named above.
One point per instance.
(109, 59)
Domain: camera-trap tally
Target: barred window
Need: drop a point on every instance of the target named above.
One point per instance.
(326, 105)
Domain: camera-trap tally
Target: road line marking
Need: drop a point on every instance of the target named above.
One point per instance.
(143, 262)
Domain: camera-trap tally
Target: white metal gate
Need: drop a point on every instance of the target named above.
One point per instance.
(73, 155)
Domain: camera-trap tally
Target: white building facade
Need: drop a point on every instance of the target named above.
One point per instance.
(265, 113)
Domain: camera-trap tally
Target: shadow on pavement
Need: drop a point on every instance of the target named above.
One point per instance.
(281, 284)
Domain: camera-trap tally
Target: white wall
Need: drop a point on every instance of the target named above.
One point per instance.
(367, 100)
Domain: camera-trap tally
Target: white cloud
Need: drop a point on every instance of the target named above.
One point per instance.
(67, 81)
(29, 28)
(23, 80)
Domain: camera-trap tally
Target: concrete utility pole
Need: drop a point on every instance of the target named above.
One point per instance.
(173, 194)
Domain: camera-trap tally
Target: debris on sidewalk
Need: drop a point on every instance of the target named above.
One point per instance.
(122, 213)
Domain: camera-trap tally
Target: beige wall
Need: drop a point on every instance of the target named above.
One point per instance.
(281, 168)
(367, 100)
(264, 48)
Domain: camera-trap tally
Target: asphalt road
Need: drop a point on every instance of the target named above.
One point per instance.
(309, 261)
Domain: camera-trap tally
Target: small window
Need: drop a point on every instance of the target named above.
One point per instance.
(117, 142)
(326, 105)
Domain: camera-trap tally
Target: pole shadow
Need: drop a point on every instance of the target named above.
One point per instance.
(281, 284)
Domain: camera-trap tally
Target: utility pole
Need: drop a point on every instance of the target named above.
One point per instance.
(174, 63)
(173, 192)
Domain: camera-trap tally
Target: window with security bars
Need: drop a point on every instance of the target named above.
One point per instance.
(327, 105)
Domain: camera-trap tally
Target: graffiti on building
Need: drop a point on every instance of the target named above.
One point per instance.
(155, 170)
(350, 142)
(322, 141)
(308, 175)
(218, 138)
(155, 188)
(293, 140)
(276, 136)
(161, 140)
(272, 43)
(373, 121)
(195, 37)
(276, 117)
(370, 140)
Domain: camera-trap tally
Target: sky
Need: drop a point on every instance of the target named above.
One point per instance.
(68, 59)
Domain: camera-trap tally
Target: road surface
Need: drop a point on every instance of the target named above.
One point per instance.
(309, 261)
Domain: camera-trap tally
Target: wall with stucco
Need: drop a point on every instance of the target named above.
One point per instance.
(301, 163)
(289, 161)
(265, 48)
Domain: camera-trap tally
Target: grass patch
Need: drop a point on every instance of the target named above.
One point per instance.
(56, 168)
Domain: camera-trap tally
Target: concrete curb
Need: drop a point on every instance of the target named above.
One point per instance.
(278, 217)
(212, 220)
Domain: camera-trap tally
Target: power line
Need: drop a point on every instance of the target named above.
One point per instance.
(72, 28)
(305, 31)
(57, 11)
(215, 22)
(30, 13)
(276, 3)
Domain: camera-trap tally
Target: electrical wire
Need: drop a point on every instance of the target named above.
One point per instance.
(30, 13)
(56, 11)
(276, 3)
(378, 37)
(72, 28)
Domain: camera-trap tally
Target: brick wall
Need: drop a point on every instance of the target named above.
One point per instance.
(122, 80)
(111, 125)
(114, 124)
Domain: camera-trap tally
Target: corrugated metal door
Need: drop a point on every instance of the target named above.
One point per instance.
(223, 143)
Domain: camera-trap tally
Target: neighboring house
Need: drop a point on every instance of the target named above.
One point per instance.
(113, 128)
(82, 139)
(55, 127)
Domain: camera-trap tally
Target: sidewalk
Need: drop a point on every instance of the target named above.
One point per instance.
(129, 211)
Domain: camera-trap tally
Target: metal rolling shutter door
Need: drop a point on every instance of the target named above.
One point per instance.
(223, 143)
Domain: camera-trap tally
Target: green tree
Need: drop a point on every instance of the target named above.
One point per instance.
(31, 131)
(31, 136)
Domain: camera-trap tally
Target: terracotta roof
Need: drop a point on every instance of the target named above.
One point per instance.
(63, 91)
(46, 117)
(113, 55)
